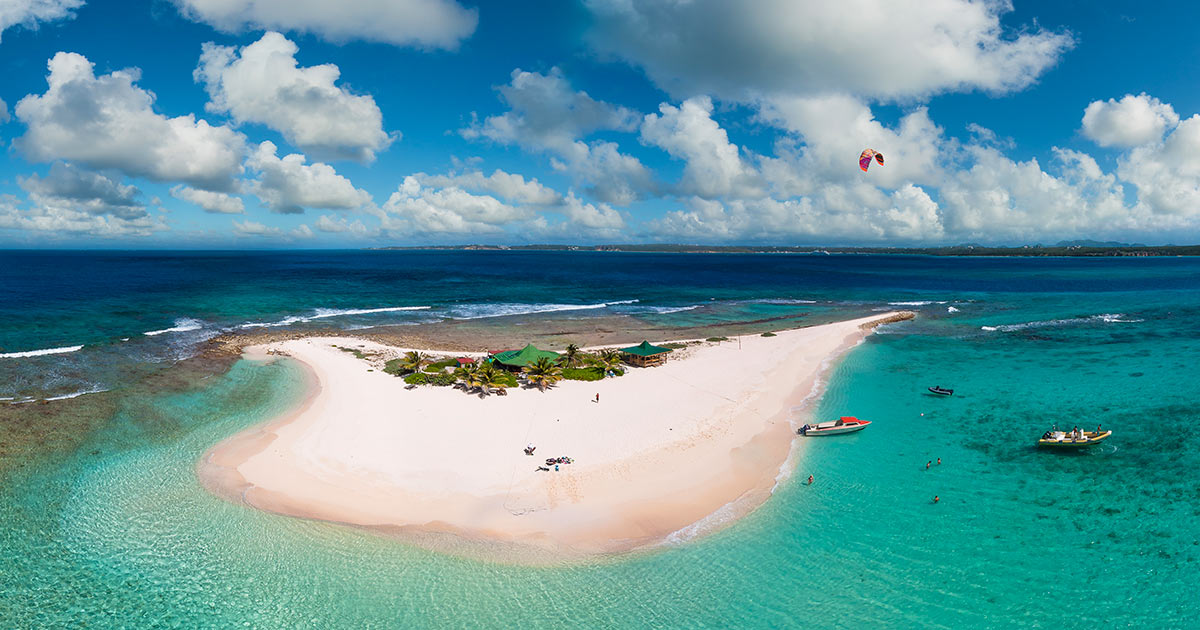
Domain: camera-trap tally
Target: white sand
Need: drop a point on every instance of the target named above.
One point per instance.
(664, 448)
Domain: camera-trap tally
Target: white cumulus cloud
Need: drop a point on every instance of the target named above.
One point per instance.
(414, 208)
(67, 186)
(30, 12)
(107, 122)
(546, 115)
(421, 23)
(510, 186)
(339, 225)
(1129, 122)
(713, 165)
(879, 49)
(1167, 174)
(263, 83)
(214, 202)
(288, 185)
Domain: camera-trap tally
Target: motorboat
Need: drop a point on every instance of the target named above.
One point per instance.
(845, 424)
(941, 391)
(1070, 439)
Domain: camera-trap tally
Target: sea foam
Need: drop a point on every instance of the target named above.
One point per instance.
(325, 313)
(38, 353)
(183, 324)
(1109, 318)
(480, 311)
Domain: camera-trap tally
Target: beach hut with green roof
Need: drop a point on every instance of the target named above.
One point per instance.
(645, 354)
(517, 359)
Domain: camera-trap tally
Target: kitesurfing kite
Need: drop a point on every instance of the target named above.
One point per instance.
(864, 160)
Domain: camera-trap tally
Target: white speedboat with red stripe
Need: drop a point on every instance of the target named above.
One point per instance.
(845, 424)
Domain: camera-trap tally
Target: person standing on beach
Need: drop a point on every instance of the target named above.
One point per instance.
(597, 396)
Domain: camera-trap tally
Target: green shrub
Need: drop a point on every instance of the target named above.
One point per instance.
(506, 379)
(675, 346)
(358, 354)
(768, 334)
(434, 368)
(417, 378)
(394, 368)
(583, 374)
(717, 339)
(442, 380)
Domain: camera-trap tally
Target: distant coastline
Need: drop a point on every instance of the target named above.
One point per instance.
(1073, 249)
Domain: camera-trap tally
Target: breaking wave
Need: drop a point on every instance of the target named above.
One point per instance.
(38, 353)
(480, 311)
(95, 390)
(1109, 318)
(183, 324)
(325, 313)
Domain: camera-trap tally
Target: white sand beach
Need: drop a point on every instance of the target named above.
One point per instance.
(663, 449)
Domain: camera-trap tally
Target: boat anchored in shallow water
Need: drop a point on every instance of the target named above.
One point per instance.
(1072, 439)
(941, 391)
(845, 424)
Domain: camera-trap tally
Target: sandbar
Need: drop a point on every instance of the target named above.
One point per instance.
(663, 450)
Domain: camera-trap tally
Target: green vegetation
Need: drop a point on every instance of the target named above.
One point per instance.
(609, 359)
(358, 354)
(583, 374)
(395, 368)
(543, 373)
(482, 377)
(717, 339)
(675, 345)
(422, 378)
(768, 334)
(571, 357)
(413, 360)
(434, 368)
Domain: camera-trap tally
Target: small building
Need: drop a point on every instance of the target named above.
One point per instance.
(464, 361)
(517, 359)
(645, 354)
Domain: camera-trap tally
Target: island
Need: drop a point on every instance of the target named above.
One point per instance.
(541, 474)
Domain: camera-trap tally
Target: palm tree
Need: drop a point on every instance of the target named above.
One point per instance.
(570, 357)
(467, 375)
(610, 359)
(543, 373)
(487, 378)
(413, 360)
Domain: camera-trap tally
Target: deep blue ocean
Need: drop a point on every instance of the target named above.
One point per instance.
(117, 533)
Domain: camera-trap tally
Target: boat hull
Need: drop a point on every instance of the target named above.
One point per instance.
(837, 431)
(1091, 439)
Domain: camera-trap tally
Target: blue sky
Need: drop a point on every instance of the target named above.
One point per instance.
(276, 123)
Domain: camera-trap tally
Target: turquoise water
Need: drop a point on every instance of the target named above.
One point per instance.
(119, 534)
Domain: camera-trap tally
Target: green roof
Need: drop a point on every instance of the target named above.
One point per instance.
(645, 349)
(524, 356)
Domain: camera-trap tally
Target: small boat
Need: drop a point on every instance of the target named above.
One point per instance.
(1064, 439)
(941, 391)
(845, 424)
